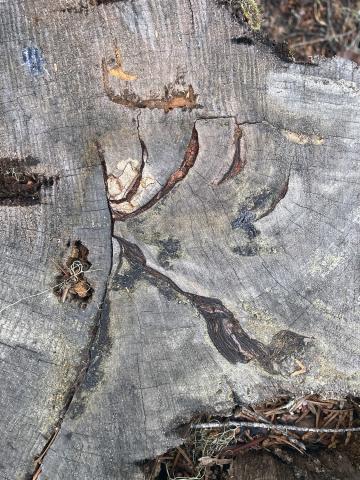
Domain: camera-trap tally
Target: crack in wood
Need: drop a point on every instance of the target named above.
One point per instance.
(225, 331)
(83, 6)
(192, 15)
(81, 377)
(97, 333)
(188, 162)
(238, 163)
(237, 166)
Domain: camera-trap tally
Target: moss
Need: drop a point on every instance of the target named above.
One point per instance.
(252, 13)
(250, 10)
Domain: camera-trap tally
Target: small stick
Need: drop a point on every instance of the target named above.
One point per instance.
(318, 415)
(183, 453)
(153, 471)
(64, 295)
(57, 265)
(330, 418)
(233, 450)
(348, 435)
(40, 458)
(214, 425)
(303, 415)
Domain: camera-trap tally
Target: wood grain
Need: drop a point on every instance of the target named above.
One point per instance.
(259, 227)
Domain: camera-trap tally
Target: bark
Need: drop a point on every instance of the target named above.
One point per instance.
(215, 186)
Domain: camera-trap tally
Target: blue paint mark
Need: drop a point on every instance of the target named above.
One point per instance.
(33, 60)
(245, 221)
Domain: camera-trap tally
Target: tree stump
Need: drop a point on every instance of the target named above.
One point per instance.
(213, 188)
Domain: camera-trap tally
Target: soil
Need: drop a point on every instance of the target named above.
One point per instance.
(314, 28)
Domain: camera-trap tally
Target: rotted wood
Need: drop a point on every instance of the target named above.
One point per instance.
(214, 187)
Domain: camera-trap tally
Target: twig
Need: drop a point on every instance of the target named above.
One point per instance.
(183, 453)
(323, 39)
(215, 425)
(39, 459)
(348, 435)
(235, 449)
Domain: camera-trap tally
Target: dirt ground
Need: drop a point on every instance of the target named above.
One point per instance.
(314, 27)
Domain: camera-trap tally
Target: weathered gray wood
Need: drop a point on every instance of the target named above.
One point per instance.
(44, 345)
(237, 220)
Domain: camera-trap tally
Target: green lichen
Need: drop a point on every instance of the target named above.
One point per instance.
(250, 11)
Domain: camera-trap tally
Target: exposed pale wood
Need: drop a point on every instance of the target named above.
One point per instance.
(246, 241)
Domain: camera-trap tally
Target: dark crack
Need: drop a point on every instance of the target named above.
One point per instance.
(192, 15)
(224, 329)
(238, 163)
(83, 6)
(86, 364)
(188, 162)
